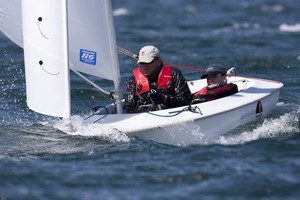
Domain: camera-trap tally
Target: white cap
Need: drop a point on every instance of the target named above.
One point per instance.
(147, 54)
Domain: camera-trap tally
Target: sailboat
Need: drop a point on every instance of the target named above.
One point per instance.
(62, 35)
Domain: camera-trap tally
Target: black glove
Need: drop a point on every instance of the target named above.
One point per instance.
(157, 98)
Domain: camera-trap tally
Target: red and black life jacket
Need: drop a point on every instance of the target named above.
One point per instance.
(165, 80)
(216, 93)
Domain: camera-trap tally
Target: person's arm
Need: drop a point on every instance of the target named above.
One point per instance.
(182, 92)
(198, 97)
(130, 101)
(232, 89)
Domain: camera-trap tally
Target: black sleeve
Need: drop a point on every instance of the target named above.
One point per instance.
(232, 91)
(130, 101)
(182, 92)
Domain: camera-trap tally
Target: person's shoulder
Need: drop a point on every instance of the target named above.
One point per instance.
(175, 70)
(233, 84)
(172, 67)
(233, 87)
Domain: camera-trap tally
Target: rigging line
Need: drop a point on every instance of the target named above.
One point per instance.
(81, 101)
(135, 56)
(127, 52)
(177, 113)
(97, 113)
(187, 67)
(95, 109)
(100, 116)
(195, 109)
(92, 84)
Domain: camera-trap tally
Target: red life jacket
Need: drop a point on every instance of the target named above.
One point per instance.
(212, 94)
(164, 81)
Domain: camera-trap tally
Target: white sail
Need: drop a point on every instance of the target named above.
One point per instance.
(11, 20)
(46, 56)
(92, 39)
(92, 43)
(88, 29)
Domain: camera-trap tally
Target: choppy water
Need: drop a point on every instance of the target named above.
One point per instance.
(260, 160)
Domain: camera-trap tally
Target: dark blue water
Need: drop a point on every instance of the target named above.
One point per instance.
(260, 160)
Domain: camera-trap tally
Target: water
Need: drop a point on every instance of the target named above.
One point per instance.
(260, 160)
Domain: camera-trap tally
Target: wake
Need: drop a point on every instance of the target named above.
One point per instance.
(79, 127)
(283, 126)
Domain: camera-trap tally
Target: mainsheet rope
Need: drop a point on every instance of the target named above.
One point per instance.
(190, 108)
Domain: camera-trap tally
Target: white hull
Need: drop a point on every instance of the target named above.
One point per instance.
(257, 98)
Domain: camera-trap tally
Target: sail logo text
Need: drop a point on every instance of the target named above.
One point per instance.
(88, 57)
